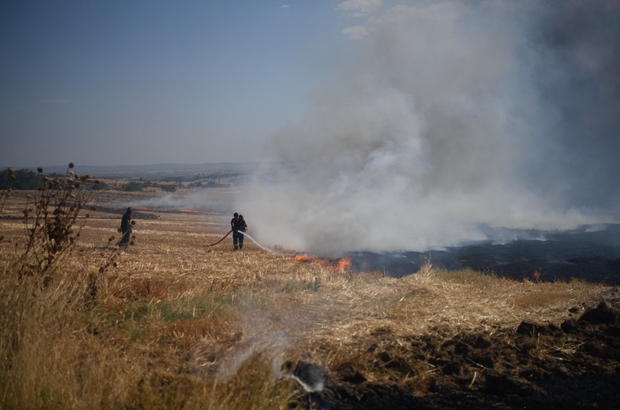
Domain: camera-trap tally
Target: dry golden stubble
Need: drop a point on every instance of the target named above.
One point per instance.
(174, 317)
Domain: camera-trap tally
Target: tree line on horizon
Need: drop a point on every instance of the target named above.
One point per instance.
(26, 179)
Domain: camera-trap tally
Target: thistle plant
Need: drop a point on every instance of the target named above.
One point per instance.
(52, 224)
(5, 193)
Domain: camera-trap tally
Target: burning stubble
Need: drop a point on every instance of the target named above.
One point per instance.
(452, 117)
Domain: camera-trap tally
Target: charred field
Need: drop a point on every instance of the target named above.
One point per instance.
(172, 323)
(590, 253)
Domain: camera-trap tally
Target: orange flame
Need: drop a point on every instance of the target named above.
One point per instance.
(344, 264)
(189, 211)
(340, 264)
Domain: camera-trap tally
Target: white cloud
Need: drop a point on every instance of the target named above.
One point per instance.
(54, 101)
(355, 32)
(358, 8)
(285, 6)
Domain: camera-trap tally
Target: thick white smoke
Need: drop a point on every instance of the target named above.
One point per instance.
(448, 119)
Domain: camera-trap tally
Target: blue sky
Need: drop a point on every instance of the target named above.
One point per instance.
(139, 82)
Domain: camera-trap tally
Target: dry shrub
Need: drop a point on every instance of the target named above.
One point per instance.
(51, 216)
(5, 191)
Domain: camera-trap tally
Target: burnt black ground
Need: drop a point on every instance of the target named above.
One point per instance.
(531, 366)
(590, 253)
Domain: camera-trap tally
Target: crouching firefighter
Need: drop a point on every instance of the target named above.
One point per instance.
(238, 225)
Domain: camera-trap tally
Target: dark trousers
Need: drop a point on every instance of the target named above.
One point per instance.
(238, 240)
(126, 236)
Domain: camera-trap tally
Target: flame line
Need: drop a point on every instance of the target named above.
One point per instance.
(341, 264)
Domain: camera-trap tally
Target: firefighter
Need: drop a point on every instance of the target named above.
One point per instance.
(242, 227)
(237, 225)
(125, 228)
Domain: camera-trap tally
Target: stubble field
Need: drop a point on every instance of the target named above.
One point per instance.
(172, 323)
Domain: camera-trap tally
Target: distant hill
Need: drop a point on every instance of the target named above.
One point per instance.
(167, 169)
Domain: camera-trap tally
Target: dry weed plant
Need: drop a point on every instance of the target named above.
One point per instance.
(175, 324)
(5, 193)
(50, 219)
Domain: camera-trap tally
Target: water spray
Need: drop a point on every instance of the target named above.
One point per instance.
(252, 239)
(258, 244)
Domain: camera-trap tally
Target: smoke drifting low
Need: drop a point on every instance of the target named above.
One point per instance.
(453, 117)
(195, 200)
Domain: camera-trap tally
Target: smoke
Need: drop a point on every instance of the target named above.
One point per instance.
(204, 201)
(451, 118)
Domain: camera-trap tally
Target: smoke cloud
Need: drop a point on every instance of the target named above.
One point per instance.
(452, 117)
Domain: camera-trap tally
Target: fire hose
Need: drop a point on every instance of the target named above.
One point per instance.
(244, 234)
(225, 236)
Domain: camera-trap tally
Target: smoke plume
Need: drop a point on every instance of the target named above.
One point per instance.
(452, 117)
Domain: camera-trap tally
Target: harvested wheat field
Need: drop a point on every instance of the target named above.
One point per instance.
(171, 323)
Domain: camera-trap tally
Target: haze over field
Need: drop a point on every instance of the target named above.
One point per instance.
(387, 124)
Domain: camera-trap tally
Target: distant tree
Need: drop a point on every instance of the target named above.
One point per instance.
(168, 188)
(101, 186)
(24, 179)
(132, 186)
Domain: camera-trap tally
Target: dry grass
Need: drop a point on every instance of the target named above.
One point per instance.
(176, 324)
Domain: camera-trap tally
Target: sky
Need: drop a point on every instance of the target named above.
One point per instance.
(143, 82)
(378, 124)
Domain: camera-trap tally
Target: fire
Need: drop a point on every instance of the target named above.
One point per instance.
(189, 211)
(339, 264)
(344, 264)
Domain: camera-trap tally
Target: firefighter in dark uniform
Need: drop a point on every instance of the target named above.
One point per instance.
(237, 225)
(125, 228)
(234, 227)
(242, 228)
